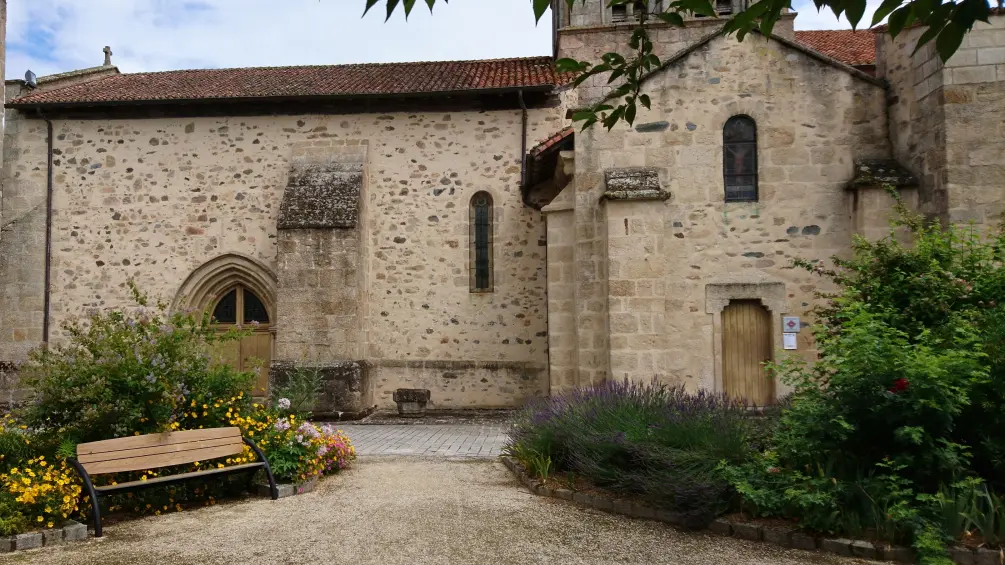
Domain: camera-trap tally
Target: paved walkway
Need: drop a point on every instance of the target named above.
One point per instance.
(411, 511)
(451, 440)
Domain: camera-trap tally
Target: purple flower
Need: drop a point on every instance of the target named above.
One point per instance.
(284, 403)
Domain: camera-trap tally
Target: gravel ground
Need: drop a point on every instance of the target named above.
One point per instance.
(391, 511)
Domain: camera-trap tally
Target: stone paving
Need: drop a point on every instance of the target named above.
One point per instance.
(446, 440)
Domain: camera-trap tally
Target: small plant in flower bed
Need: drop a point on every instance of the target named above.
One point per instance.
(654, 441)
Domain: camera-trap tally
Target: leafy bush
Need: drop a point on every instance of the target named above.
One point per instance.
(129, 374)
(908, 396)
(650, 440)
(302, 388)
(12, 518)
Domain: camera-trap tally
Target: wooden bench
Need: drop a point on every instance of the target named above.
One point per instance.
(155, 451)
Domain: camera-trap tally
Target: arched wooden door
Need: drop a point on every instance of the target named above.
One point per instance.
(746, 345)
(240, 306)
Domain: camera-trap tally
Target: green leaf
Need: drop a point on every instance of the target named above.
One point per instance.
(613, 58)
(949, 40)
(699, 7)
(391, 5)
(630, 112)
(369, 4)
(899, 19)
(432, 3)
(922, 8)
(612, 119)
(884, 10)
(615, 75)
(644, 99)
(408, 4)
(854, 9)
(929, 35)
(567, 65)
(583, 115)
(540, 7)
(589, 123)
(672, 18)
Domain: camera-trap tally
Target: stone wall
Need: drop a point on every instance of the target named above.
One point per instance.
(813, 120)
(946, 119)
(460, 384)
(152, 199)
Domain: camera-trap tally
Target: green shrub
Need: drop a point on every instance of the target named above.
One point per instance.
(132, 373)
(12, 518)
(653, 441)
(302, 388)
(908, 396)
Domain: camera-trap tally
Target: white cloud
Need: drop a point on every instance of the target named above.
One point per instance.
(50, 36)
(810, 18)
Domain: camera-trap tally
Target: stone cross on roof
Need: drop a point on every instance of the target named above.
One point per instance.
(108, 55)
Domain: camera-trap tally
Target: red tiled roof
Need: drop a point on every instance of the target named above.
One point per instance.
(376, 79)
(552, 141)
(845, 45)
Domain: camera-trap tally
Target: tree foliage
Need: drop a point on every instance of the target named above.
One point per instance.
(946, 22)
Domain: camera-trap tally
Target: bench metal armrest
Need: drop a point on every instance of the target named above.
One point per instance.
(273, 490)
(93, 494)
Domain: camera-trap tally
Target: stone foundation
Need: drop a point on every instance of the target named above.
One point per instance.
(459, 384)
(345, 388)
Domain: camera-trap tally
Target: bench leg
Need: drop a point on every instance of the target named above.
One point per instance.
(95, 509)
(268, 470)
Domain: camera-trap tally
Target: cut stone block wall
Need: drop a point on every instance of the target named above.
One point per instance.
(460, 384)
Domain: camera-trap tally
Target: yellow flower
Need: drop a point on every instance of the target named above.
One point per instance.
(49, 525)
(40, 519)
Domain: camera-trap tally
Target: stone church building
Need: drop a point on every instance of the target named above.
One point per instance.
(445, 225)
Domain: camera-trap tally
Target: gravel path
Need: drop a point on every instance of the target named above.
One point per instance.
(406, 511)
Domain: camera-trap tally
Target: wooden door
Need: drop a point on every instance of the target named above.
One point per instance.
(240, 306)
(746, 345)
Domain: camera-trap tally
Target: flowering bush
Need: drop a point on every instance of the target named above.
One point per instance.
(650, 440)
(47, 493)
(135, 373)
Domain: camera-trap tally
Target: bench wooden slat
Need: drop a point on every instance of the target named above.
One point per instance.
(179, 477)
(162, 459)
(150, 440)
(159, 449)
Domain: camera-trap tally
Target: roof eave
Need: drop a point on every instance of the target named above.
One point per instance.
(14, 104)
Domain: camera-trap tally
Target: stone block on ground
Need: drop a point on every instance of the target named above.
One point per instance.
(747, 531)
(411, 401)
(28, 541)
(721, 526)
(643, 511)
(563, 493)
(897, 554)
(623, 507)
(963, 555)
(52, 537)
(6, 545)
(838, 546)
(800, 540)
(603, 503)
(582, 498)
(670, 517)
(74, 531)
(989, 557)
(778, 536)
(863, 549)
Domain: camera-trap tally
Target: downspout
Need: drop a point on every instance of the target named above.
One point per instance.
(46, 305)
(523, 148)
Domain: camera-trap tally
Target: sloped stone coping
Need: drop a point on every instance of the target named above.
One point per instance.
(288, 489)
(785, 537)
(72, 531)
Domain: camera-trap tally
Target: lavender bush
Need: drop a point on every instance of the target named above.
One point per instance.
(651, 440)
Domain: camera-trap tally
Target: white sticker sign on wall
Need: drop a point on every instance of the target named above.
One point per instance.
(789, 340)
(790, 324)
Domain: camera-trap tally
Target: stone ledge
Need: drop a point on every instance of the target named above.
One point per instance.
(633, 183)
(747, 531)
(72, 531)
(288, 489)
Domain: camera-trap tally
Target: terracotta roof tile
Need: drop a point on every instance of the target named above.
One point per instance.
(553, 140)
(375, 79)
(845, 45)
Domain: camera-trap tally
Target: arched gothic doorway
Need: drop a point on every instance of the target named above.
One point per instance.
(240, 306)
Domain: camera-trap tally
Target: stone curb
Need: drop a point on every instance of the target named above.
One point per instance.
(72, 531)
(777, 536)
(287, 490)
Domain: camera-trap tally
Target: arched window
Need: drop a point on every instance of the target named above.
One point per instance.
(739, 159)
(481, 242)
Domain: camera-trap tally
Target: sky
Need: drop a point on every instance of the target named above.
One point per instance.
(52, 36)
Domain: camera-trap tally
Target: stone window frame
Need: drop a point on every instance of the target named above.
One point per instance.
(475, 287)
(718, 295)
(208, 283)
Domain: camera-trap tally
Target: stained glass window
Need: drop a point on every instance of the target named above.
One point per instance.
(739, 159)
(481, 242)
(226, 309)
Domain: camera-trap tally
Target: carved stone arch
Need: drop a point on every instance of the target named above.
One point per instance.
(215, 277)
